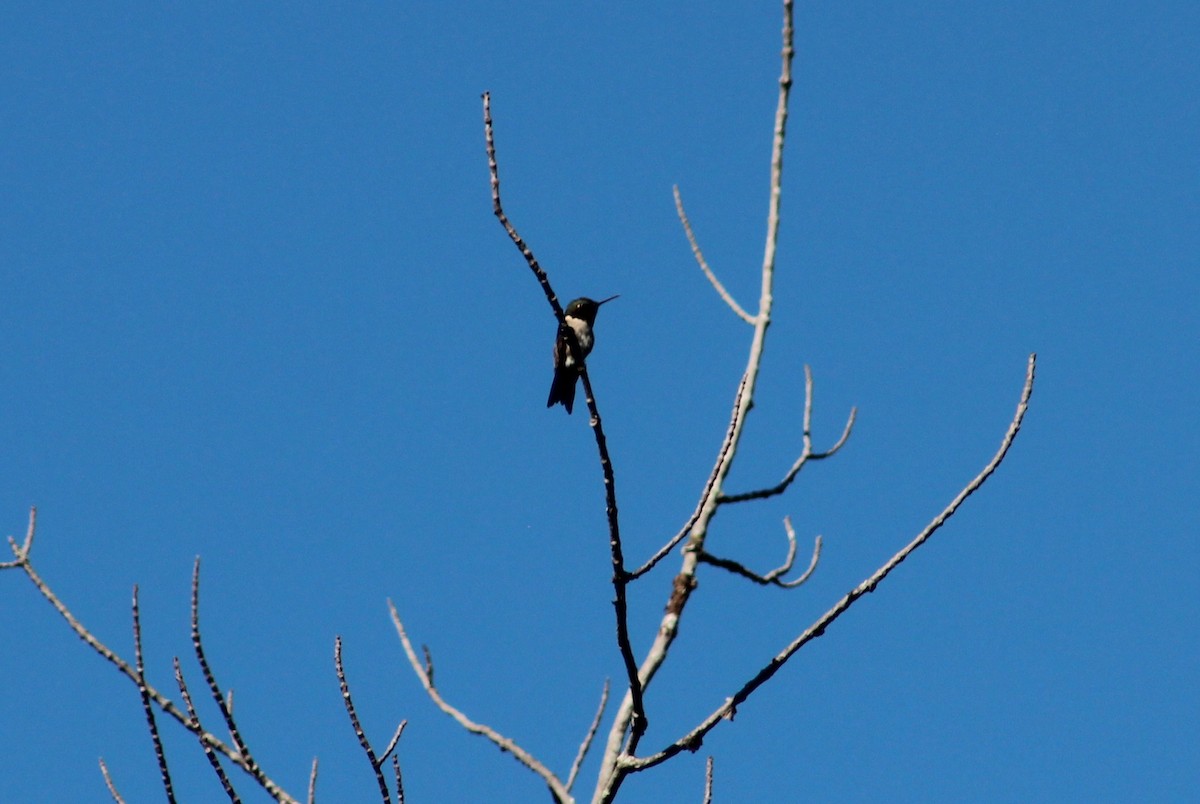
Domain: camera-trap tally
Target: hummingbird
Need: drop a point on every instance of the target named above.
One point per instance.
(580, 316)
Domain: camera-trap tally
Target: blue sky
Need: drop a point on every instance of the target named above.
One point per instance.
(256, 309)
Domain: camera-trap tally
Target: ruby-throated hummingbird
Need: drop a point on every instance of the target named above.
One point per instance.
(580, 316)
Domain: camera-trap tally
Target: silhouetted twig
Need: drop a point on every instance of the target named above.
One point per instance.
(195, 727)
(226, 706)
(151, 723)
(376, 764)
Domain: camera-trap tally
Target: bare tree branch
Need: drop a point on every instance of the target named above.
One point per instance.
(23, 562)
(806, 453)
(505, 744)
(772, 577)
(708, 780)
(312, 784)
(376, 764)
(716, 283)
(140, 668)
(587, 739)
(693, 739)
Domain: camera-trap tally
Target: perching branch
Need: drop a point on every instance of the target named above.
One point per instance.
(22, 552)
(498, 211)
(620, 577)
(425, 675)
(716, 283)
(693, 739)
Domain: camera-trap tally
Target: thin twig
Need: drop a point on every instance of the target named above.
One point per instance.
(498, 211)
(391, 746)
(806, 453)
(312, 783)
(376, 764)
(108, 782)
(693, 739)
(712, 277)
(505, 744)
(708, 780)
(399, 780)
(587, 740)
(151, 723)
(194, 726)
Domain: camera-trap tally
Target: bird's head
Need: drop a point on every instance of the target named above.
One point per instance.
(586, 309)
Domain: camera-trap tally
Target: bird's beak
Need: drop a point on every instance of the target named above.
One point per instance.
(610, 298)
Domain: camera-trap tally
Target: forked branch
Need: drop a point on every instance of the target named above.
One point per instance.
(806, 453)
(774, 576)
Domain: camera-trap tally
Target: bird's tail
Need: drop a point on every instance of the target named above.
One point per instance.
(562, 389)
